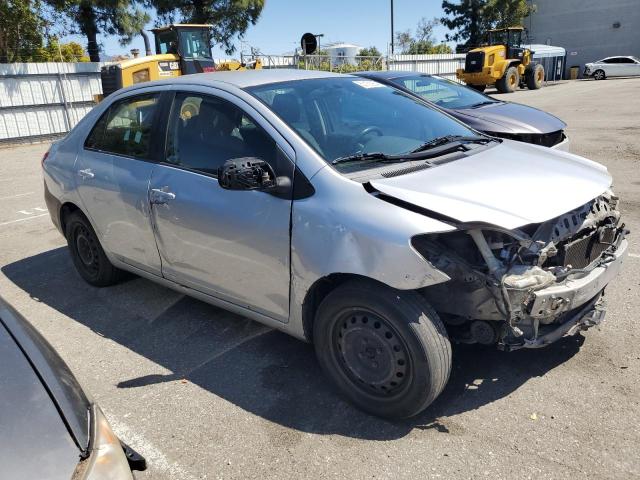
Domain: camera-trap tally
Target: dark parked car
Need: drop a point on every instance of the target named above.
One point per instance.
(49, 429)
(480, 111)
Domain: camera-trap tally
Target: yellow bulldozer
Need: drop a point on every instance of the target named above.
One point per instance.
(181, 49)
(503, 62)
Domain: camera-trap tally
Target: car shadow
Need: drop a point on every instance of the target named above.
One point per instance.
(262, 371)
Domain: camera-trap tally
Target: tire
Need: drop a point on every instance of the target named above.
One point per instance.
(509, 81)
(534, 76)
(87, 254)
(386, 350)
(599, 75)
(479, 88)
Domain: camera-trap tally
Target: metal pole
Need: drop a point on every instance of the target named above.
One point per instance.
(392, 50)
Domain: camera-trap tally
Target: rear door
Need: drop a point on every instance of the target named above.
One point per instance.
(629, 67)
(234, 245)
(112, 174)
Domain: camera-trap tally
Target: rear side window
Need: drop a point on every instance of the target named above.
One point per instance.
(125, 129)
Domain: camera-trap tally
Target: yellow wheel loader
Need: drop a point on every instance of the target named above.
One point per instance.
(503, 63)
(181, 49)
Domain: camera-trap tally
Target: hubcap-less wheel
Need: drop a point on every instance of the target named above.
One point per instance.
(371, 353)
(87, 250)
(599, 75)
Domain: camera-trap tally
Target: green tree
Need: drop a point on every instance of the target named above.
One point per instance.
(229, 18)
(22, 30)
(65, 52)
(470, 19)
(423, 42)
(467, 19)
(369, 52)
(403, 39)
(108, 17)
(506, 13)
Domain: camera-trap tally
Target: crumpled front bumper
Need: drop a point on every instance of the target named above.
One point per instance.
(571, 306)
(575, 292)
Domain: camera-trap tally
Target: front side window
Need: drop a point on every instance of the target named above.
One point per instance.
(340, 117)
(125, 128)
(444, 93)
(205, 132)
(167, 42)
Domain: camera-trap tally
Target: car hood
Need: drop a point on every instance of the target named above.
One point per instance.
(35, 442)
(509, 185)
(509, 118)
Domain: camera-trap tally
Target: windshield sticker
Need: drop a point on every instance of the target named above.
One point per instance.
(368, 83)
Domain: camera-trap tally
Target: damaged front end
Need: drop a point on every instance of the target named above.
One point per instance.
(528, 287)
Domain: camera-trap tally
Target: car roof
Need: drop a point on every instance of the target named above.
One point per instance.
(390, 74)
(249, 78)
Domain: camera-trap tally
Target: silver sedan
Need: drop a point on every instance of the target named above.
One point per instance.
(344, 212)
(613, 67)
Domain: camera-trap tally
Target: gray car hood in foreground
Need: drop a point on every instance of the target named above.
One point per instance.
(34, 441)
(510, 185)
(509, 118)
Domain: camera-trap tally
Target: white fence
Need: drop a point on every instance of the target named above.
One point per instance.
(444, 64)
(42, 99)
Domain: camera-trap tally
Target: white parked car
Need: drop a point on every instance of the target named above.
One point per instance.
(613, 67)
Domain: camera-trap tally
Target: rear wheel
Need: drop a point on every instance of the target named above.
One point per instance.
(385, 349)
(534, 76)
(509, 81)
(599, 75)
(87, 253)
(479, 88)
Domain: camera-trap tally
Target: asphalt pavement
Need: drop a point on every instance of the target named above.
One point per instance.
(203, 393)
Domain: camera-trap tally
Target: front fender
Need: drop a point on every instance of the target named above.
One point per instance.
(343, 229)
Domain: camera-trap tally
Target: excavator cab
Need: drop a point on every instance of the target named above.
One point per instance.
(191, 43)
(181, 49)
(511, 38)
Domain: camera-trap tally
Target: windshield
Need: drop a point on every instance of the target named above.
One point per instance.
(194, 43)
(341, 117)
(444, 93)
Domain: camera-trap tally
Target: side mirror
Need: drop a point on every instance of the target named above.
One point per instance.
(248, 173)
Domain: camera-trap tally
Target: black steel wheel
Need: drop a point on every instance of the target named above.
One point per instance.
(385, 349)
(372, 352)
(87, 253)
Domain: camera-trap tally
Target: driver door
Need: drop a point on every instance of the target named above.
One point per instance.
(232, 244)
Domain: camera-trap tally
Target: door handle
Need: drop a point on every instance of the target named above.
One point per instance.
(160, 196)
(86, 173)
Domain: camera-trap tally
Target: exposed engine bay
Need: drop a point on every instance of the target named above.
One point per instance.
(530, 286)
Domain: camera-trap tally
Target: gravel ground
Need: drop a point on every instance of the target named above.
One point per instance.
(203, 393)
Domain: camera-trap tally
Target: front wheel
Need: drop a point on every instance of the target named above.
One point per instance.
(386, 350)
(509, 81)
(599, 75)
(534, 76)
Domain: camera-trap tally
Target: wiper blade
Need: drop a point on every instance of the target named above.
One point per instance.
(486, 102)
(438, 141)
(361, 157)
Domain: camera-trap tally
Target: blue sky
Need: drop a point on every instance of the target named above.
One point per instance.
(283, 22)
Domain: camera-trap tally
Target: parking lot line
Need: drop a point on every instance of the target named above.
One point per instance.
(16, 196)
(634, 255)
(23, 219)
